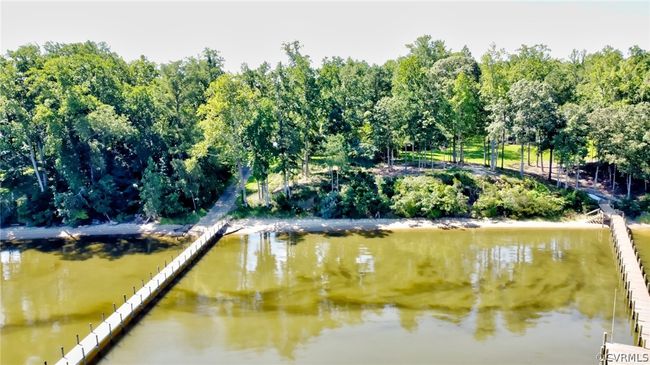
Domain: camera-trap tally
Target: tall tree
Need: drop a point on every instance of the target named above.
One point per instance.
(226, 117)
(533, 109)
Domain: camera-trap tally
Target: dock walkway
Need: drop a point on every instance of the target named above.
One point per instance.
(103, 336)
(637, 290)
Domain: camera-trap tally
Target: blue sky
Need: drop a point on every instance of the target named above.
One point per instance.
(375, 31)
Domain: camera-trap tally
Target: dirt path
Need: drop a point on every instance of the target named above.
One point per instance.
(584, 183)
(222, 207)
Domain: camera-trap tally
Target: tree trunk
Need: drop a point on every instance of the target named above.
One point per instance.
(285, 181)
(332, 177)
(493, 156)
(44, 171)
(614, 180)
(242, 183)
(485, 152)
(193, 200)
(306, 163)
(453, 150)
(337, 180)
(388, 156)
(541, 159)
(596, 175)
(537, 158)
(503, 148)
(550, 165)
(577, 175)
(462, 150)
(267, 195)
(629, 185)
(529, 154)
(35, 166)
(521, 163)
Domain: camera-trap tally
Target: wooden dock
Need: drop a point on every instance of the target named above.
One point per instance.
(637, 293)
(619, 354)
(105, 334)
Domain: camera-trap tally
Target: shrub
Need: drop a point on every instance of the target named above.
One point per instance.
(630, 206)
(329, 206)
(71, 207)
(361, 198)
(517, 199)
(578, 200)
(282, 202)
(426, 196)
(36, 210)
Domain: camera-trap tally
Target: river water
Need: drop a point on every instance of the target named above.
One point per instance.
(52, 289)
(484, 296)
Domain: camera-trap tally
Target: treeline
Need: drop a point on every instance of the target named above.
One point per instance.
(86, 135)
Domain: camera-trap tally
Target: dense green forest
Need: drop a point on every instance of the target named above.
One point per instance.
(85, 135)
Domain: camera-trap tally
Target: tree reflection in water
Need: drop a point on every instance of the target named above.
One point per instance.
(280, 290)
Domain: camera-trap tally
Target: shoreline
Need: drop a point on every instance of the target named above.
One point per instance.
(256, 225)
(103, 229)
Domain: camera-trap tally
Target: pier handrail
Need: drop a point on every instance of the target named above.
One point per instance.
(635, 280)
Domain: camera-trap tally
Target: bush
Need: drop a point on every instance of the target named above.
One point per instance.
(387, 186)
(329, 206)
(631, 206)
(72, 208)
(426, 196)
(36, 210)
(644, 204)
(360, 198)
(467, 181)
(517, 199)
(634, 207)
(282, 202)
(578, 201)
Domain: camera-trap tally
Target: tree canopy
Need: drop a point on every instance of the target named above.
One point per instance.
(86, 135)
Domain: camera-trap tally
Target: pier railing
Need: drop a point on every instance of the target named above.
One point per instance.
(636, 284)
(108, 331)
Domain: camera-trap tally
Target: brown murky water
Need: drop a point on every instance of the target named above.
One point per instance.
(484, 296)
(52, 289)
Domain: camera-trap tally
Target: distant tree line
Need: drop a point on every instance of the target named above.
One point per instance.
(85, 135)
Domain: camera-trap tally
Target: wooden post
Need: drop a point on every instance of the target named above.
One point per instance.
(77, 339)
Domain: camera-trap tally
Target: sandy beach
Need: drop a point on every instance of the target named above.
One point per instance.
(30, 233)
(252, 225)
